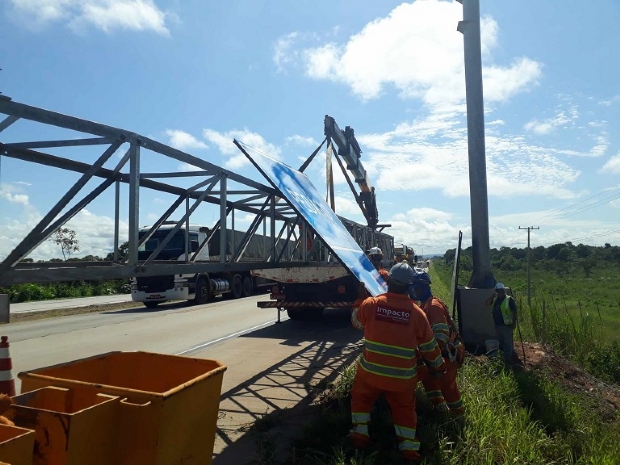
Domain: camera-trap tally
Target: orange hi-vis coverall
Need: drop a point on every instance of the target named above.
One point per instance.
(444, 390)
(395, 331)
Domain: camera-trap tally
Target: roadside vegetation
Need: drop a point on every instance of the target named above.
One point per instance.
(66, 240)
(522, 416)
(64, 290)
(578, 287)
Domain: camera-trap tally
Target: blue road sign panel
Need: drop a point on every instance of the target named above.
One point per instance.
(297, 188)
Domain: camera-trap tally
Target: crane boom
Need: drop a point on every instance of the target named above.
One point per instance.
(349, 150)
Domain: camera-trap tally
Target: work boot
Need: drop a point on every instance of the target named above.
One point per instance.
(442, 408)
(411, 458)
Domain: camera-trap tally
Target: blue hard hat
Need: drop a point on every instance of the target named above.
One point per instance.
(421, 278)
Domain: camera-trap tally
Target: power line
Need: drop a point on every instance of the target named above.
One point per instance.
(585, 208)
(539, 219)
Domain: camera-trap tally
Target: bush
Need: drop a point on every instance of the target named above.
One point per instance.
(604, 362)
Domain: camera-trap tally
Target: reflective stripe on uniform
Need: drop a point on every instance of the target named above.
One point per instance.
(360, 429)
(360, 422)
(440, 327)
(437, 362)
(358, 417)
(404, 432)
(394, 351)
(434, 394)
(407, 445)
(390, 372)
(354, 321)
(455, 405)
(442, 337)
(428, 346)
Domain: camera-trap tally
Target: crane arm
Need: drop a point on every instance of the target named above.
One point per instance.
(349, 150)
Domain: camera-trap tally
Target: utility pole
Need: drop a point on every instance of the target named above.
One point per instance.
(482, 276)
(529, 228)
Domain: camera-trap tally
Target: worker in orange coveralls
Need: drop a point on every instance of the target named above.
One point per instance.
(396, 332)
(443, 393)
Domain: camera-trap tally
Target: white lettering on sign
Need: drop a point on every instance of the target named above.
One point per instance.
(391, 315)
(311, 205)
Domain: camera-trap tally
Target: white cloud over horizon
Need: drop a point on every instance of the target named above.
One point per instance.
(183, 141)
(105, 15)
(612, 166)
(234, 158)
(416, 50)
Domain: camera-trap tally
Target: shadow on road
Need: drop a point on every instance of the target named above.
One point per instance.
(142, 309)
(296, 332)
(284, 390)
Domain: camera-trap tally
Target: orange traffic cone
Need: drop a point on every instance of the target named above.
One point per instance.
(7, 384)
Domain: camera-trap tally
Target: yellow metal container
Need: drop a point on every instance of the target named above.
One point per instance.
(168, 408)
(69, 429)
(16, 445)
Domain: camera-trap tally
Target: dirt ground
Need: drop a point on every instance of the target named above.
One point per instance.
(570, 376)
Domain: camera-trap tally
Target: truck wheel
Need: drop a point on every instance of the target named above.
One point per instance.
(305, 313)
(236, 286)
(247, 286)
(203, 291)
(151, 304)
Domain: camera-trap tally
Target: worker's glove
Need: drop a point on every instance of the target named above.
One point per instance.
(451, 352)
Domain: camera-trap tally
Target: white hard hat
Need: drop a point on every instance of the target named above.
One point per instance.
(375, 251)
(499, 286)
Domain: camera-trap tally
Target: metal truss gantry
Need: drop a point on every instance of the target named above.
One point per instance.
(215, 185)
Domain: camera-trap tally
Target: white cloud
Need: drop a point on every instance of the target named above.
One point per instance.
(348, 207)
(416, 50)
(183, 141)
(95, 234)
(13, 194)
(612, 166)
(302, 140)
(187, 167)
(427, 230)
(106, 15)
(431, 153)
(561, 119)
(611, 101)
(282, 50)
(236, 159)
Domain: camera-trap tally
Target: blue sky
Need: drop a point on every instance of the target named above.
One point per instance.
(195, 74)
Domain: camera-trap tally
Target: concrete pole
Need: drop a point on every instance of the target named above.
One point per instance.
(482, 276)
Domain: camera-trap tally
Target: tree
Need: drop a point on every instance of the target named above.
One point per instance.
(123, 250)
(65, 238)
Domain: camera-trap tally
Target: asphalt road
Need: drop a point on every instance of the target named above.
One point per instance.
(269, 366)
(171, 329)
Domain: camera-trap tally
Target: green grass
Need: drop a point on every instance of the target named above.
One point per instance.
(581, 314)
(511, 418)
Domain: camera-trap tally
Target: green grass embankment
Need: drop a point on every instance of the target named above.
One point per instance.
(512, 418)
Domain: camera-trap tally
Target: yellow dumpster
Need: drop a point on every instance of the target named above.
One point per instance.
(168, 408)
(16, 445)
(69, 429)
